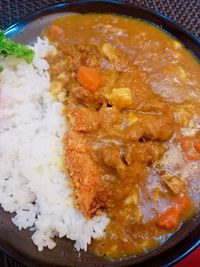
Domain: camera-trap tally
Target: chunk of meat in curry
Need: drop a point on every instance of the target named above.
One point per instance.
(120, 83)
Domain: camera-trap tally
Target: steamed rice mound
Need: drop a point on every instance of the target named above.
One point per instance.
(32, 184)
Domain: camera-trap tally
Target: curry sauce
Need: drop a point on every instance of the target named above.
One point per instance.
(131, 95)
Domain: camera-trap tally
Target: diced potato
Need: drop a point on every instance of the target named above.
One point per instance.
(133, 198)
(183, 114)
(174, 184)
(129, 200)
(63, 77)
(109, 52)
(55, 88)
(62, 97)
(132, 119)
(157, 192)
(137, 215)
(120, 97)
(177, 45)
(182, 73)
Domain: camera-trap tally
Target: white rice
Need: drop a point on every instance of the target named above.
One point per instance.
(32, 184)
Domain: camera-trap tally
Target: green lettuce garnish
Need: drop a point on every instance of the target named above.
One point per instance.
(9, 47)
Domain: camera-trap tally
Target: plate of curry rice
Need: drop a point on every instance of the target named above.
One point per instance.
(99, 137)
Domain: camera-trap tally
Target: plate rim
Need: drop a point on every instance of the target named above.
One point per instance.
(15, 27)
(35, 14)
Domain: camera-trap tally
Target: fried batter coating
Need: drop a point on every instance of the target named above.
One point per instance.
(85, 174)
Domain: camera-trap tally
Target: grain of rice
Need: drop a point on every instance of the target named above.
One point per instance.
(32, 184)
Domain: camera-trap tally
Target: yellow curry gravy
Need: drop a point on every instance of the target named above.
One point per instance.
(131, 95)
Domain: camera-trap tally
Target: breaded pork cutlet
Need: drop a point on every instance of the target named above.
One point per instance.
(84, 172)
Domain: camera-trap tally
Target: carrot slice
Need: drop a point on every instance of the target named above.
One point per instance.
(89, 78)
(197, 145)
(55, 32)
(169, 219)
(186, 143)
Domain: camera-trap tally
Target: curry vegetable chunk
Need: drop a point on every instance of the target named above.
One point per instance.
(131, 96)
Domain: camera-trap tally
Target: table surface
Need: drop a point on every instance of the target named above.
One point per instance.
(185, 12)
